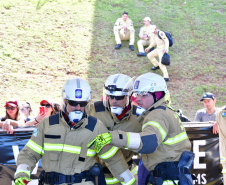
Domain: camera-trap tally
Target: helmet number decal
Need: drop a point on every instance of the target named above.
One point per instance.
(136, 85)
(78, 93)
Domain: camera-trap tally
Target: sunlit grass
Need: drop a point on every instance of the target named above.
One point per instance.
(40, 48)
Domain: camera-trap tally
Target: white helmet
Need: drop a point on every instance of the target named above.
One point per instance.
(150, 82)
(117, 85)
(76, 89)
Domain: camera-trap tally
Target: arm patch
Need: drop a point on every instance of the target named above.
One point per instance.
(149, 144)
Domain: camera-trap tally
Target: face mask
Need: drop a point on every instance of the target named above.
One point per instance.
(140, 110)
(75, 116)
(116, 110)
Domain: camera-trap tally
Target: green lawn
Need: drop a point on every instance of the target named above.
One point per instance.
(42, 46)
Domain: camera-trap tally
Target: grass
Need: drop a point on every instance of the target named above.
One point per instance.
(45, 42)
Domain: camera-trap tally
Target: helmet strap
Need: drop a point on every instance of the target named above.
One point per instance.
(154, 96)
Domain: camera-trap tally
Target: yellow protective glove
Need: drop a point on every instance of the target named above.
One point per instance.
(100, 141)
(22, 181)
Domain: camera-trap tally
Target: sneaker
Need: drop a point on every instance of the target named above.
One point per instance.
(166, 79)
(131, 47)
(118, 46)
(154, 68)
(141, 54)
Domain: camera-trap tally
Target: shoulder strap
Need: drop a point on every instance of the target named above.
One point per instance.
(54, 119)
(159, 35)
(99, 106)
(92, 121)
(159, 107)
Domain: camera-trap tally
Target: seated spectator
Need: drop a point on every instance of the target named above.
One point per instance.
(26, 110)
(49, 110)
(209, 113)
(12, 117)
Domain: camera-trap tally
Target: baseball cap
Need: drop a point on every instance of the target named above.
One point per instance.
(45, 101)
(207, 95)
(12, 103)
(147, 19)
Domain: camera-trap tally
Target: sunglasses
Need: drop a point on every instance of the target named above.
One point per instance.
(12, 108)
(116, 97)
(75, 103)
(46, 105)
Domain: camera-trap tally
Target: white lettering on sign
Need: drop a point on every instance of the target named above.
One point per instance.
(198, 154)
(201, 179)
(16, 153)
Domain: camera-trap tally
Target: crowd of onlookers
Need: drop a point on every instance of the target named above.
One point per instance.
(20, 115)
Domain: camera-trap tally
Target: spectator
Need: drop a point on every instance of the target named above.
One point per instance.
(146, 32)
(123, 30)
(209, 113)
(161, 41)
(49, 110)
(26, 110)
(12, 117)
(49, 107)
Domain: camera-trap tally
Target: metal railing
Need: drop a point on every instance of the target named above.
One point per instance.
(186, 124)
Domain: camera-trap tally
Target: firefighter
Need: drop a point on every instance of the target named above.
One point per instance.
(163, 141)
(61, 142)
(221, 122)
(162, 46)
(145, 35)
(117, 113)
(124, 30)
